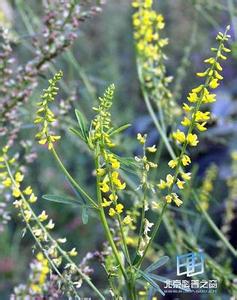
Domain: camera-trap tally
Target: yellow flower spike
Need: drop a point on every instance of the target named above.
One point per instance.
(112, 212)
(32, 198)
(172, 163)
(119, 208)
(180, 184)
(152, 149)
(43, 216)
(179, 136)
(19, 177)
(168, 198)
(106, 203)
(16, 192)
(73, 252)
(162, 185)
(127, 220)
(7, 182)
(177, 200)
(186, 160)
(214, 83)
(28, 191)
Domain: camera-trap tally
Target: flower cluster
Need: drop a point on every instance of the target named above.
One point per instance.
(208, 186)
(44, 115)
(194, 119)
(39, 225)
(108, 171)
(148, 25)
(39, 283)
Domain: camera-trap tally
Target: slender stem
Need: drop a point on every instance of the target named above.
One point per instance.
(73, 182)
(214, 227)
(154, 232)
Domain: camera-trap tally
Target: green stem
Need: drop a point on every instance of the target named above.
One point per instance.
(73, 182)
(214, 227)
(154, 232)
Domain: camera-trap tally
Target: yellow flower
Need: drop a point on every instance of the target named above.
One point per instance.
(176, 199)
(141, 139)
(186, 160)
(192, 139)
(201, 127)
(169, 180)
(113, 197)
(16, 192)
(168, 198)
(104, 187)
(106, 203)
(193, 97)
(186, 122)
(186, 176)
(73, 252)
(7, 182)
(152, 149)
(50, 225)
(19, 177)
(32, 198)
(100, 172)
(27, 214)
(180, 184)
(214, 83)
(112, 212)
(43, 216)
(162, 184)
(179, 136)
(127, 220)
(197, 89)
(28, 190)
(119, 208)
(172, 163)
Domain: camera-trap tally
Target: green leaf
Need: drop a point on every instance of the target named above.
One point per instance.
(158, 277)
(152, 282)
(62, 199)
(163, 260)
(77, 133)
(82, 123)
(119, 129)
(84, 215)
